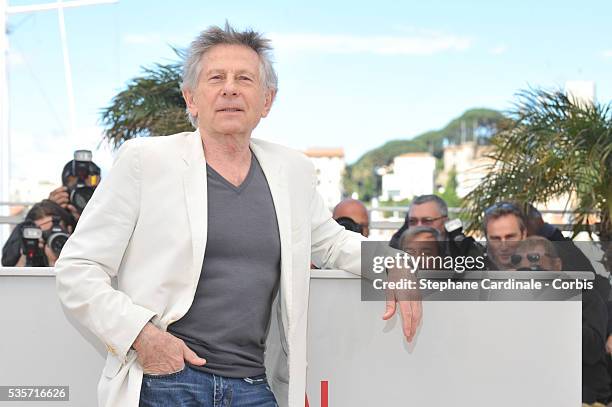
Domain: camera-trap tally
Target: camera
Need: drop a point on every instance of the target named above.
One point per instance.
(350, 224)
(459, 244)
(56, 237)
(34, 254)
(81, 177)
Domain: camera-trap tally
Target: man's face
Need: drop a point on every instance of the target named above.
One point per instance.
(423, 244)
(427, 214)
(44, 223)
(503, 236)
(230, 97)
(535, 256)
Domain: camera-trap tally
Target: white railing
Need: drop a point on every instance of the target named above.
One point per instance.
(348, 344)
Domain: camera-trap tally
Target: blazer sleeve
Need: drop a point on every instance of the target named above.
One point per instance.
(332, 246)
(94, 252)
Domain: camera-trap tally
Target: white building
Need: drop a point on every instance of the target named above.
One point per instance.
(470, 162)
(412, 174)
(329, 165)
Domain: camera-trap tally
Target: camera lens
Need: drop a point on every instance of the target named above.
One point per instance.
(57, 241)
(80, 196)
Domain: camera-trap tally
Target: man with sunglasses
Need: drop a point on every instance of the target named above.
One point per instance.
(539, 253)
(536, 253)
(504, 226)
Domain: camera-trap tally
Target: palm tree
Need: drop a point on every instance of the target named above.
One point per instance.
(151, 105)
(551, 147)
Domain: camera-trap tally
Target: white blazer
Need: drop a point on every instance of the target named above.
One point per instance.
(146, 224)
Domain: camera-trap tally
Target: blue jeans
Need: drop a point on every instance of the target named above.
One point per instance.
(194, 388)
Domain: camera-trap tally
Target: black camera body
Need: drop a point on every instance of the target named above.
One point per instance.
(349, 224)
(56, 237)
(459, 244)
(30, 238)
(81, 177)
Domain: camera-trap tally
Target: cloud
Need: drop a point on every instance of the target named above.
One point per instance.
(498, 49)
(607, 53)
(420, 44)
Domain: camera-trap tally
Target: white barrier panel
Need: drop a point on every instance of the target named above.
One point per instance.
(40, 345)
(465, 354)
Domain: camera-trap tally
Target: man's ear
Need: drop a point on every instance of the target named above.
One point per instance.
(188, 97)
(270, 95)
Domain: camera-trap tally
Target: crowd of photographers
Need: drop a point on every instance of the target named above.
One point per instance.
(516, 239)
(39, 239)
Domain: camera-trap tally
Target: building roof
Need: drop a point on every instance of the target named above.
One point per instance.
(316, 152)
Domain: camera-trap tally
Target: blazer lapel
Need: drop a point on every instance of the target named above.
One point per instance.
(195, 189)
(277, 181)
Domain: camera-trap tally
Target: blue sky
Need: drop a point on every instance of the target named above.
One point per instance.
(351, 74)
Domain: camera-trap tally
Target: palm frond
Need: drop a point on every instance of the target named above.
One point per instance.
(550, 147)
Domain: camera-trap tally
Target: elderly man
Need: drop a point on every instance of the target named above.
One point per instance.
(421, 241)
(504, 226)
(432, 211)
(425, 210)
(174, 221)
(355, 214)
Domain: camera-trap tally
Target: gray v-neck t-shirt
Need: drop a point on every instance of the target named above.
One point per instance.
(228, 320)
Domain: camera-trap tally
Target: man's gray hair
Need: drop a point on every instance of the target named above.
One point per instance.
(442, 206)
(418, 230)
(215, 35)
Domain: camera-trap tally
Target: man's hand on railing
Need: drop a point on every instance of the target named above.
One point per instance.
(408, 301)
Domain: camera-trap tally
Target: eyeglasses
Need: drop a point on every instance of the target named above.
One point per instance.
(423, 221)
(502, 205)
(531, 257)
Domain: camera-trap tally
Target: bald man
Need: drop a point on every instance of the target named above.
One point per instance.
(356, 211)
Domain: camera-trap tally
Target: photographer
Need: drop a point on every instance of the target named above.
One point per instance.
(432, 211)
(422, 241)
(80, 177)
(539, 253)
(352, 214)
(41, 236)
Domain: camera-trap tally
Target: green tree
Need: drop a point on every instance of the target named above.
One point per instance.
(450, 191)
(151, 105)
(551, 147)
(473, 125)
